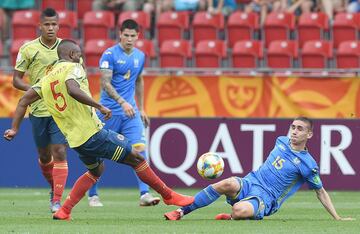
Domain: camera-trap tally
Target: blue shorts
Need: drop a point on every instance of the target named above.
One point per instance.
(46, 132)
(132, 128)
(254, 194)
(104, 144)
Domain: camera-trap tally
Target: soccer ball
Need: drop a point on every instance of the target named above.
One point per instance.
(210, 166)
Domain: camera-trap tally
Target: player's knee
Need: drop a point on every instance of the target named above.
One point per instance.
(44, 155)
(58, 152)
(97, 171)
(241, 212)
(227, 186)
(139, 148)
(133, 159)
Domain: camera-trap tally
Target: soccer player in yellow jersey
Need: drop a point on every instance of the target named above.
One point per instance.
(65, 92)
(36, 58)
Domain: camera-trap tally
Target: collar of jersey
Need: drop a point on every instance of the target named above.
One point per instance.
(51, 48)
(304, 151)
(121, 48)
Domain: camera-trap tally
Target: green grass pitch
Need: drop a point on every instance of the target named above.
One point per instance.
(26, 211)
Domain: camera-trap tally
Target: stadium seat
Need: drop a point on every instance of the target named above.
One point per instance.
(25, 24)
(67, 23)
(278, 26)
(281, 54)
(146, 46)
(311, 26)
(345, 27)
(94, 49)
(315, 54)
(56, 4)
(98, 24)
(209, 53)
(241, 26)
(247, 54)
(15, 46)
(206, 26)
(348, 55)
(83, 6)
(175, 53)
(171, 25)
(141, 17)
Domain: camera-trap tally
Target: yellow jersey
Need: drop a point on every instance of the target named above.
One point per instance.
(36, 59)
(77, 121)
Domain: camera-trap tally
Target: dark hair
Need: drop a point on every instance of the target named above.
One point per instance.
(48, 12)
(306, 120)
(129, 24)
(64, 46)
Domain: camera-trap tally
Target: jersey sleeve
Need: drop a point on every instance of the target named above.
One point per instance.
(312, 178)
(37, 88)
(22, 60)
(106, 60)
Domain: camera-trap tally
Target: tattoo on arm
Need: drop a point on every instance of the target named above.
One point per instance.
(106, 76)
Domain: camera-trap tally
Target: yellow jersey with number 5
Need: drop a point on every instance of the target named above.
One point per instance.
(77, 121)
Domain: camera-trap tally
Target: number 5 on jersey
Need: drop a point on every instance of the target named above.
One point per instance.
(58, 96)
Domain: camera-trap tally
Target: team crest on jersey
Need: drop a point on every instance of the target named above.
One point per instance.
(104, 64)
(136, 63)
(120, 137)
(296, 160)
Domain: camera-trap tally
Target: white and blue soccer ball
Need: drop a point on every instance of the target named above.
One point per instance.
(210, 166)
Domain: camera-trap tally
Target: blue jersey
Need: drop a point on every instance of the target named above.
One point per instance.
(285, 171)
(126, 69)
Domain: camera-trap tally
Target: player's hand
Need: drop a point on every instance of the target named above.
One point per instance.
(105, 111)
(10, 134)
(145, 118)
(128, 109)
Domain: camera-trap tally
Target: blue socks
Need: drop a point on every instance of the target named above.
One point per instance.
(93, 190)
(203, 198)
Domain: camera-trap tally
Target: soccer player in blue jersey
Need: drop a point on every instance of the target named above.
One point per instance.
(121, 80)
(262, 192)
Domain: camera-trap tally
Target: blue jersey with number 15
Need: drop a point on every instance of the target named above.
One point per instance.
(126, 69)
(284, 171)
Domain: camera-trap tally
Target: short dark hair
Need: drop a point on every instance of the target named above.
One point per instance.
(48, 12)
(306, 120)
(63, 47)
(129, 24)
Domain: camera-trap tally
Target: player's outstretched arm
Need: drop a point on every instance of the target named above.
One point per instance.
(18, 81)
(325, 199)
(29, 97)
(75, 92)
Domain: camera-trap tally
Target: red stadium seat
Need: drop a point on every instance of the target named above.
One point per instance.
(146, 46)
(345, 27)
(241, 26)
(209, 53)
(94, 49)
(15, 46)
(348, 55)
(247, 54)
(56, 4)
(171, 25)
(281, 54)
(174, 53)
(98, 24)
(83, 6)
(315, 54)
(67, 23)
(206, 26)
(311, 26)
(278, 26)
(141, 17)
(25, 24)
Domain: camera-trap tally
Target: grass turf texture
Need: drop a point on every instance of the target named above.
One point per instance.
(26, 211)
